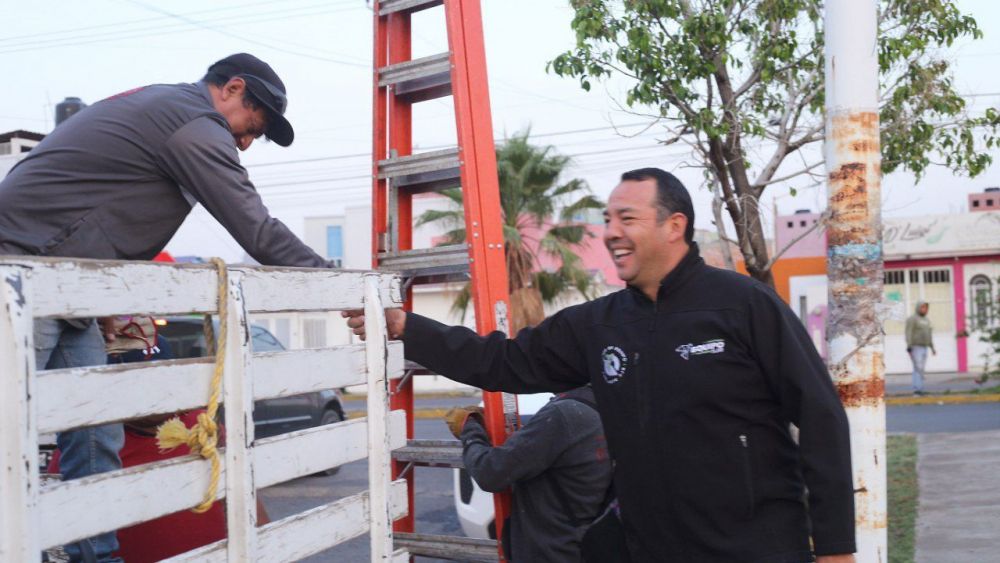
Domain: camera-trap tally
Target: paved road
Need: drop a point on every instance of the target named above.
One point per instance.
(943, 418)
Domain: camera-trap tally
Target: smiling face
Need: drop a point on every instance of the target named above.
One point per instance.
(645, 247)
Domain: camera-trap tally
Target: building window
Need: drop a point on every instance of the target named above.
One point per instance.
(983, 308)
(335, 245)
(791, 224)
(989, 203)
(802, 223)
(314, 333)
(975, 203)
(904, 288)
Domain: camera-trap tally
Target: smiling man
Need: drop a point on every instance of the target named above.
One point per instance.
(698, 373)
(117, 180)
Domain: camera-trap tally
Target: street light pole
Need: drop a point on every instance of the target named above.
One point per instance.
(854, 255)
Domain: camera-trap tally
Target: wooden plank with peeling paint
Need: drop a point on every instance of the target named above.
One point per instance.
(19, 540)
(305, 452)
(241, 490)
(137, 494)
(306, 533)
(106, 287)
(379, 448)
(75, 397)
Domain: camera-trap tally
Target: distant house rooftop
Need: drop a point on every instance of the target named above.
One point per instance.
(20, 134)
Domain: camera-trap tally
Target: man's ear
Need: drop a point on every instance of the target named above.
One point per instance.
(678, 225)
(234, 87)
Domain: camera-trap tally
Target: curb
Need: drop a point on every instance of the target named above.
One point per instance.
(943, 399)
(417, 413)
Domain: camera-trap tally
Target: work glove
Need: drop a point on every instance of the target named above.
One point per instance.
(458, 416)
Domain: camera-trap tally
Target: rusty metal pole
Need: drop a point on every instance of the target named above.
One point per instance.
(854, 255)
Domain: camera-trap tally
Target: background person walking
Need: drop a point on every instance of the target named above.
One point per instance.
(919, 338)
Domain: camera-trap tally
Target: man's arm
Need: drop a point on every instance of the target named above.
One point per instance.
(793, 368)
(543, 358)
(202, 158)
(908, 332)
(526, 453)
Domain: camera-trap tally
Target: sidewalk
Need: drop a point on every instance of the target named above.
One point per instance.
(941, 388)
(959, 512)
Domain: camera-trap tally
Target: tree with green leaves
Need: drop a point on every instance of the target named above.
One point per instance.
(531, 193)
(735, 78)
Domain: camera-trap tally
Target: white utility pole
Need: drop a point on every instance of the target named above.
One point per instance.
(854, 255)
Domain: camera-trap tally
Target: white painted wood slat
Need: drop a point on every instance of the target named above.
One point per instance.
(301, 535)
(19, 539)
(138, 494)
(309, 451)
(379, 456)
(241, 492)
(107, 287)
(75, 397)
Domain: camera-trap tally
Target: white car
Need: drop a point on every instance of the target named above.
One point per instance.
(474, 505)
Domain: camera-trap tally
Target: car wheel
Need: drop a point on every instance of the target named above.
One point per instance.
(330, 416)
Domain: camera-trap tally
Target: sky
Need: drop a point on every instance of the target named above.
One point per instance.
(322, 51)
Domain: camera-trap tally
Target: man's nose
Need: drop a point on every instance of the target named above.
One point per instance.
(244, 142)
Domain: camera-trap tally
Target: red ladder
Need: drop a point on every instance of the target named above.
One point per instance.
(398, 174)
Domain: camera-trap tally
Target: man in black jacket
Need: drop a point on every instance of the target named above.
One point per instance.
(559, 466)
(698, 373)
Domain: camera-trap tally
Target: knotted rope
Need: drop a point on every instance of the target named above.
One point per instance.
(203, 437)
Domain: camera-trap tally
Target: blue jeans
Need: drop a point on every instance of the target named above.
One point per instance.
(85, 451)
(919, 356)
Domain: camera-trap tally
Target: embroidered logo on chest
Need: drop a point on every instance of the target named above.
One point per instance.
(614, 361)
(717, 346)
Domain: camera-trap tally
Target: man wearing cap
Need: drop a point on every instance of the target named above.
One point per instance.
(117, 180)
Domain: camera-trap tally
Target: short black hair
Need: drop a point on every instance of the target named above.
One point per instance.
(671, 196)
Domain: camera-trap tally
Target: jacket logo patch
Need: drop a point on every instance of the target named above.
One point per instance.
(717, 346)
(614, 362)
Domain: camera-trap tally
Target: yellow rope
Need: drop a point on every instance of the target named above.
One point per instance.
(203, 437)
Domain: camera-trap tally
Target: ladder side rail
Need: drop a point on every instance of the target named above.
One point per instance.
(19, 538)
(481, 193)
(241, 493)
(400, 138)
(379, 453)
(380, 147)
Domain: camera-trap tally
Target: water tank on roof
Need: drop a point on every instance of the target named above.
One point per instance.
(991, 190)
(802, 211)
(68, 108)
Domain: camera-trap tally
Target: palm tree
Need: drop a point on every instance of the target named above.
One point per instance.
(529, 195)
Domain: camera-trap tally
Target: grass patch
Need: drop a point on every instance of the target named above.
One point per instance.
(903, 495)
(986, 390)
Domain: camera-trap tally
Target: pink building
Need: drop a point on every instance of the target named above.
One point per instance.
(951, 262)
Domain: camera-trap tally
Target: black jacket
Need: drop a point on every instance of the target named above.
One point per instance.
(695, 392)
(561, 446)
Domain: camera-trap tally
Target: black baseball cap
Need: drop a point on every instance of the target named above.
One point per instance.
(266, 87)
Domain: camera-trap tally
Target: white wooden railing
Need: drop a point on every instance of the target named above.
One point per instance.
(34, 517)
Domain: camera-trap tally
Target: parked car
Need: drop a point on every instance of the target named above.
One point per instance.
(271, 416)
(474, 505)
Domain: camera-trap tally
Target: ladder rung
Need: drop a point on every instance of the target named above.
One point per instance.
(386, 7)
(434, 453)
(440, 264)
(435, 170)
(447, 547)
(420, 79)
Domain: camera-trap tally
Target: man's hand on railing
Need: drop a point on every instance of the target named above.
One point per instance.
(395, 321)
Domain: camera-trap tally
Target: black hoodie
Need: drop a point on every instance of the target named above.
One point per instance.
(695, 392)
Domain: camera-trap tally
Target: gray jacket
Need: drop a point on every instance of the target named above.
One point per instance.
(561, 446)
(117, 180)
